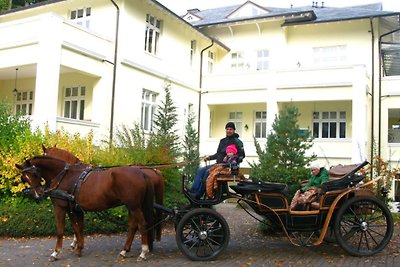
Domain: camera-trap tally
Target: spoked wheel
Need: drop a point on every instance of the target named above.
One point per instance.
(364, 226)
(305, 239)
(202, 234)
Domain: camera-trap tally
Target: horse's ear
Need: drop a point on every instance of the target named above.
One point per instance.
(18, 166)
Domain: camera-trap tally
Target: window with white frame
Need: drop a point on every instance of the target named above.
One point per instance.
(329, 55)
(149, 100)
(263, 59)
(329, 124)
(394, 125)
(237, 61)
(81, 16)
(24, 103)
(192, 51)
(260, 124)
(210, 60)
(74, 102)
(237, 118)
(152, 34)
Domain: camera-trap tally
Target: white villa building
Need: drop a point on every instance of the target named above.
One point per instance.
(97, 64)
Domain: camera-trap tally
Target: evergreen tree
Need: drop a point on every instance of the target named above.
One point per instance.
(283, 159)
(165, 120)
(191, 146)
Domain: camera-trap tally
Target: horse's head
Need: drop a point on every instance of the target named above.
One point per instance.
(60, 154)
(31, 175)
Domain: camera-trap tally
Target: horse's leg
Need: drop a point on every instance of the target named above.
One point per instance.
(139, 217)
(77, 226)
(74, 242)
(132, 228)
(60, 223)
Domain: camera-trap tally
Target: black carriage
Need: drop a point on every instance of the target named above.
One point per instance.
(347, 212)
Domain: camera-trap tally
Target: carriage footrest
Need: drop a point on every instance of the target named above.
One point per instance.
(249, 187)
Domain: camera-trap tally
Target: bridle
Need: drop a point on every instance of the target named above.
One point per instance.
(59, 177)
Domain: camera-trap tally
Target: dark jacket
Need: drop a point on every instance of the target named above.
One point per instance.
(223, 143)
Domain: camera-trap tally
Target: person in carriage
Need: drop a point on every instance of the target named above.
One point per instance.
(231, 155)
(231, 138)
(310, 191)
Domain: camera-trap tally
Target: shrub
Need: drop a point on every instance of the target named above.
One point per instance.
(21, 217)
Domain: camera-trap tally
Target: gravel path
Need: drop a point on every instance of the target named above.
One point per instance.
(247, 247)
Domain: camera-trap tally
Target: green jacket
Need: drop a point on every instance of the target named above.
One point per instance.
(317, 180)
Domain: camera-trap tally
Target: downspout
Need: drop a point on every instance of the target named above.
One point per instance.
(380, 89)
(200, 87)
(114, 74)
(372, 87)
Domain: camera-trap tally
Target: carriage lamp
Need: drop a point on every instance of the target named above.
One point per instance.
(246, 127)
(384, 191)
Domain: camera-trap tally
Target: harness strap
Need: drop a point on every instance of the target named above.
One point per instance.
(77, 187)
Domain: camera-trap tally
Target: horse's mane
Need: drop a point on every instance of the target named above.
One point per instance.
(61, 161)
(62, 154)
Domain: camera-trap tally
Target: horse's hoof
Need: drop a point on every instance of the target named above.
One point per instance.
(52, 259)
(141, 258)
(122, 254)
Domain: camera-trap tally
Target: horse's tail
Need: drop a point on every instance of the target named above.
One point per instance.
(147, 209)
(159, 196)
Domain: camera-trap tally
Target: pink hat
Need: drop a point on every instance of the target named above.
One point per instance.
(231, 148)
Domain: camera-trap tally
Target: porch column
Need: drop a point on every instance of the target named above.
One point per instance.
(359, 114)
(48, 72)
(271, 101)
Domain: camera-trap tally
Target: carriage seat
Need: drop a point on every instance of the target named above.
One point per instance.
(222, 173)
(343, 176)
(249, 187)
(340, 177)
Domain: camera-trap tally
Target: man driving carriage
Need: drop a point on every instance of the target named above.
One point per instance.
(231, 138)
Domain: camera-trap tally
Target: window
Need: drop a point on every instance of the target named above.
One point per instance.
(394, 125)
(237, 61)
(262, 60)
(81, 16)
(329, 55)
(148, 110)
(237, 118)
(192, 51)
(260, 124)
(211, 59)
(152, 34)
(74, 102)
(329, 124)
(24, 103)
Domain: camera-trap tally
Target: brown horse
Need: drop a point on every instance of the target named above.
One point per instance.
(156, 178)
(74, 189)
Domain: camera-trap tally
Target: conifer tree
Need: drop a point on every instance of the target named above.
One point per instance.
(165, 120)
(283, 160)
(191, 146)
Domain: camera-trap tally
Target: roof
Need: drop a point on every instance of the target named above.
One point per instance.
(313, 14)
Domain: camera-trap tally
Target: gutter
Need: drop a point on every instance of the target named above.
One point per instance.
(372, 87)
(114, 74)
(201, 85)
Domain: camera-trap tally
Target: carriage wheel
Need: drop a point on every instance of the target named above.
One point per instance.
(363, 226)
(202, 234)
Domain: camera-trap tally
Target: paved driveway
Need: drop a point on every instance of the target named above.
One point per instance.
(246, 248)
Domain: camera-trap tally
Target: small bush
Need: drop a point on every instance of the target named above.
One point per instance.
(22, 216)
